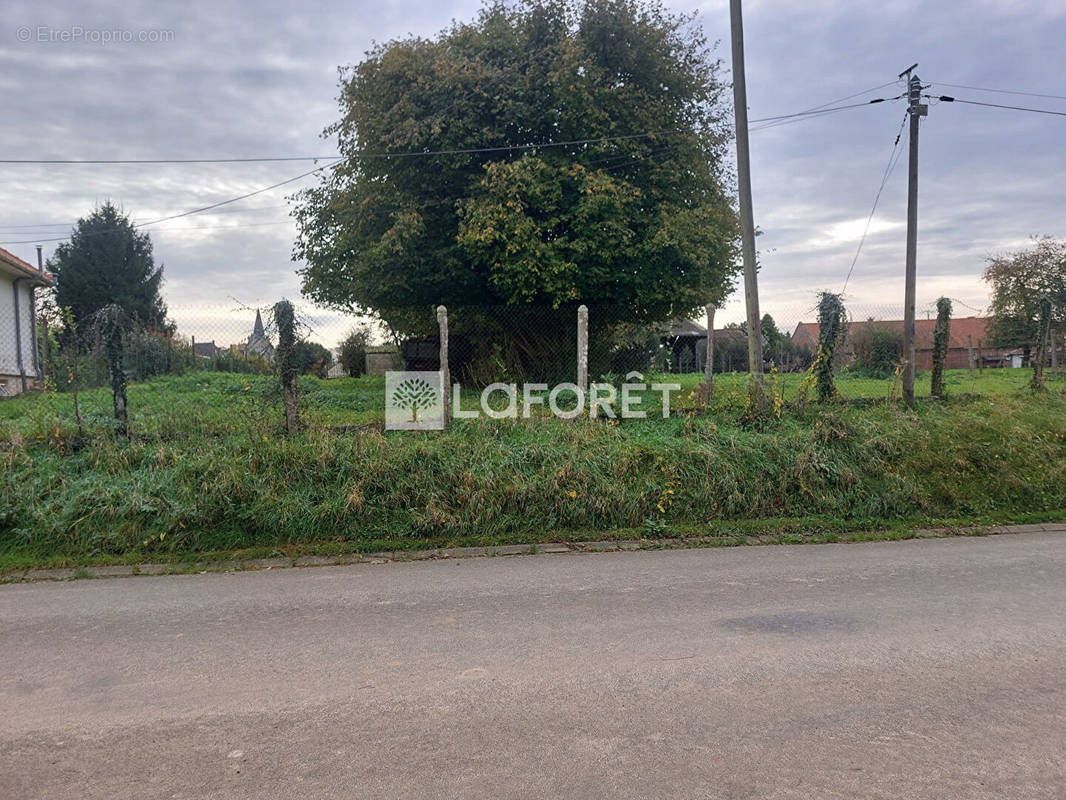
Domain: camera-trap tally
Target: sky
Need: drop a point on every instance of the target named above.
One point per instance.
(87, 79)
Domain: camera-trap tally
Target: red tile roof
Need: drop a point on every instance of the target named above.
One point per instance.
(962, 328)
(22, 268)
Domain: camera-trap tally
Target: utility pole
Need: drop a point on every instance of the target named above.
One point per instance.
(747, 224)
(917, 111)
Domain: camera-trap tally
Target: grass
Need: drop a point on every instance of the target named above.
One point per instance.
(209, 475)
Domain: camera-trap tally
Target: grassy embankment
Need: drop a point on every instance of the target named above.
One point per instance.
(208, 472)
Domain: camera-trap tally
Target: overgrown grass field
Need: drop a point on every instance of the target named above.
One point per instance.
(209, 470)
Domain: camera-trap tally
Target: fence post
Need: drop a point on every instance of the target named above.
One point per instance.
(980, 358)
(708, 366)
(969, 347)
(583, 347)
(445, 372)
(44, 348)
(285, 319)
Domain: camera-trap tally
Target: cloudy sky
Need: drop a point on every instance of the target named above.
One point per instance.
(239, 78)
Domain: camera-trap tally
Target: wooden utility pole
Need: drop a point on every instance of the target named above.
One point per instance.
(917, 111)
(747, 224)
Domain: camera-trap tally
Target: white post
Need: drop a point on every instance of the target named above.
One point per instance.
(583, 347)
(708, 367)
(445, 374)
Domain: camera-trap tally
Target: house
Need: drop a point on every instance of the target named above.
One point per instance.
(206, 349)
(258, 344)
(686, 342)
(21, 367)
(964, 333)
(681, 337)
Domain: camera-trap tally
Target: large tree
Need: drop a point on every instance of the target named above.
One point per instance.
(623, 206)
(108, 262)
(1019, 281)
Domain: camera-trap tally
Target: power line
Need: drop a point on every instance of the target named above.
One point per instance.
(356, 154)
(893, 159)
(999, 91)
(238, 197)
(947, 99)
(191, 211)
(804, 118)
(32, 228)
(814, 112)
(256, 160)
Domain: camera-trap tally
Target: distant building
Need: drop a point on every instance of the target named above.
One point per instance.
(686, 343)
(964, 333)
(257, 343)
(207, 349)
(20, 363)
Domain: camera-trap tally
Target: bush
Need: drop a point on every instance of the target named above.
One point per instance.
(878, 350)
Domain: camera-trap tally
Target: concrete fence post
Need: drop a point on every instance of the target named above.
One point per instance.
(708, 366)
(445, 373)
(583, 347)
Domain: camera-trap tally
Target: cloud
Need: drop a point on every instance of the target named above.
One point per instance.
(241, 77)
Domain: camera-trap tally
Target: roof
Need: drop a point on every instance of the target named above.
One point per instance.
(729, 336)
(13, 265)
(960, 332)
(257, 329)
(682, 327)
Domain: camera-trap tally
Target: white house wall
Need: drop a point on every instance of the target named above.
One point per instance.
(8, 352)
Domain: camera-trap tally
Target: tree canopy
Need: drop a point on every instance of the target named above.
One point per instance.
(623, 205)
(1019, 281)
(108, 262)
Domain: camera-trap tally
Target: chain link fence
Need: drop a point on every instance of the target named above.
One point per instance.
(214, 368)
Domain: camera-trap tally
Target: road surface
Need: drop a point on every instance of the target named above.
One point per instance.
(918, 669)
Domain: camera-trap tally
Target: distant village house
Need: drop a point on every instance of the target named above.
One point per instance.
(968, 336)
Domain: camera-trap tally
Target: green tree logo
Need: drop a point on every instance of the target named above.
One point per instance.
(414, 394)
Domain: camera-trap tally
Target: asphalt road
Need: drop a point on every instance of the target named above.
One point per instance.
(919, 669)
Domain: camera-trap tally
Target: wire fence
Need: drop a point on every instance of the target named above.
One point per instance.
(215, 367)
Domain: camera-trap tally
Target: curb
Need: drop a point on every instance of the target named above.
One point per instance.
(441, 554)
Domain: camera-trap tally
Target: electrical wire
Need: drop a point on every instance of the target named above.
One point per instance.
(358, 154)
(335, 160)
(37, 228)
(999, 91)
(893, 159)
(814, 112)
(191, 211)
(948, 99)
(832, 102)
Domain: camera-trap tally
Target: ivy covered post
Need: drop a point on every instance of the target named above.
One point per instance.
(941, 334)
(708, 362)
(288, 372)
(831, 331)
(110, 326)
(1042, 335)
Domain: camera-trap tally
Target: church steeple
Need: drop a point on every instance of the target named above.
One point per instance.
(258, 332)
